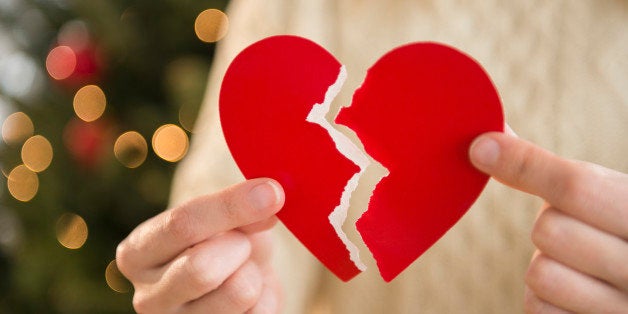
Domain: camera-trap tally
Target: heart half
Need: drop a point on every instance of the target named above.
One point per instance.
(416, 113)
(266, 96)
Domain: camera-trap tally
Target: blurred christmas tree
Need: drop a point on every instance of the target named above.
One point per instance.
(98, 100)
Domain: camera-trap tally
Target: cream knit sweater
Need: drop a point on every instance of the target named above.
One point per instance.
(561, 68)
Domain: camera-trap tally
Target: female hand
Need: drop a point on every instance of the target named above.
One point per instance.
(581, 234)
(211, 255)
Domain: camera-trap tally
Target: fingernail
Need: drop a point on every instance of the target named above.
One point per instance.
(485, 151)
(265, 195)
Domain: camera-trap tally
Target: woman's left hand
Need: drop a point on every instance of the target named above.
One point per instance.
(581, 234)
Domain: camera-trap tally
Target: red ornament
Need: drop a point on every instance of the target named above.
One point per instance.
(87, 142)
(76, 60)
(416, 113)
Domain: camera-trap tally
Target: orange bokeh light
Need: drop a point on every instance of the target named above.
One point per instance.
(115, 280)
(89, 103)
(211, 25)
(71, 231)
(170, 142)
(22, 183)
(37, 153)
(131, 149)
(16, 128)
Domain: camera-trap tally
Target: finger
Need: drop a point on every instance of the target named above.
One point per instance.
(196, 272)
(262, 248)
(260, 225)
(516, 163)
(585, 191)
(571, 290)
(236, 295)
(582, 247)
(158, 240)
(269, 301)
(534, 305)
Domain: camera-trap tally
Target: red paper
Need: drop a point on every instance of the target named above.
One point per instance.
(417, 112)
(266, 96)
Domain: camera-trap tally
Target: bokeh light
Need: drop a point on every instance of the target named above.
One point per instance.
(211, 25)
(115, 280)
(89, 103)
(20, 76)
(170, 142)
(88, 142)
(16, 128)
(71, 231)
(22, 183)
(131, 149)
(74, 34)
(37, 153)
(61, 62)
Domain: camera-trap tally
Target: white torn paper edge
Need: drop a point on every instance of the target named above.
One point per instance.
(347, 148)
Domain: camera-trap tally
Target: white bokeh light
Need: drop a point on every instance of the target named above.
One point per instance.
(19, 76)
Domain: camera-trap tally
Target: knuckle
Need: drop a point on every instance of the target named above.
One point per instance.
(547, 230)
(126, 261)
(537, 277)
(202, 280)
(141, 303)
(536, 306)
(122, 258)
(179, 224)
(261, 310)
(531, 303)
(244, 289)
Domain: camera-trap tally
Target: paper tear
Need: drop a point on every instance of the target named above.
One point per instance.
(347, 148)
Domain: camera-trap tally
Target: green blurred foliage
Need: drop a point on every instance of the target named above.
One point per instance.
(152, 66)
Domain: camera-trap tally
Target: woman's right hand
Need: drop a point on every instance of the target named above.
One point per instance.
(210, 255)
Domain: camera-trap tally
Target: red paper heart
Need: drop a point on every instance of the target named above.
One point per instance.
(416, 113)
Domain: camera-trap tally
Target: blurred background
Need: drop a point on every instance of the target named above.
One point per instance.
(97, 101)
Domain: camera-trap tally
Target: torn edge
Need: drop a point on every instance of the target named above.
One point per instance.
(347, 148)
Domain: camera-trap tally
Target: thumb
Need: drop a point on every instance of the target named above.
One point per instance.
(520, 164)
(588, 192)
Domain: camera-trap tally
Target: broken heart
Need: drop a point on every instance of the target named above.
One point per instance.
(416, 113)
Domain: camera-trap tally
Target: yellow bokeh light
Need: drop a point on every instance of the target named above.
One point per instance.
(71, 231)
(211, 25)
(170, 142)
(37, 153)
(22, 183)
(16, 128)
(131, 149)
(115, 280)
(89, 103)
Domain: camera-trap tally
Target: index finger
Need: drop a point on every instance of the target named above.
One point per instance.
(588, 192)
(161, 238)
